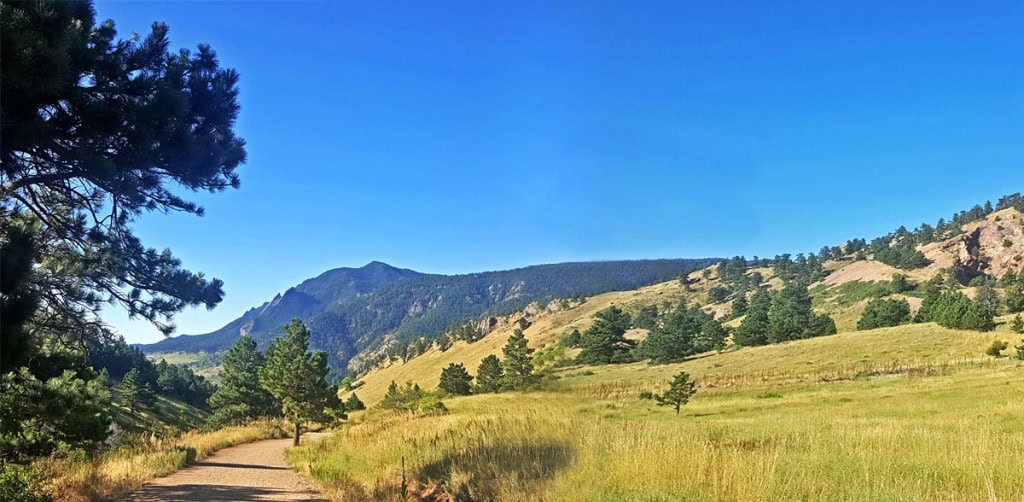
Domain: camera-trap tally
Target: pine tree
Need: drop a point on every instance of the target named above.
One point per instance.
(679, 392)
(1017, 324)
(353, 403)
(881, 313)
(298, 379)
(455, 380)
(240, 397)
(754, 328)
(517, 366)
(1015, 297)
(130, 389)
(740, 305)
(605, 341)
(988, 300)
(489, 375)
(674, 339)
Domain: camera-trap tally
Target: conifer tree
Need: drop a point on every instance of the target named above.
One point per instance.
(517, 365)
(679, 392)
(754, 328)
(455, 380)
(1015, 297)
(353, 403)
(130, 389)
(605, 341)
(240, 397)
(298, 379)
(489, 375)
(740, 305)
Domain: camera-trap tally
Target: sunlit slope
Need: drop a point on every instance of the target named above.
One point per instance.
(546, 329)
(839, 356)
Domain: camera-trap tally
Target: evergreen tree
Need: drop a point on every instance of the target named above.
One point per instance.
(353, 403)
(988, 300)
(489, 375)
(605, 341)
(455, 380)
(674, 339)
(573, 339)
(647, 317)
(955, 310)
(740, 305)
(1015, 298)
(679, 392)
(240, 397)
(791, 317)
(96, 132)
(517, 366)
(298, 379)
(1017, 324)
(130, 389)
(881, 313)
(754, 328)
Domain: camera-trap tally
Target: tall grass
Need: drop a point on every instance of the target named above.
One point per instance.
(118, 472)
(950, 435)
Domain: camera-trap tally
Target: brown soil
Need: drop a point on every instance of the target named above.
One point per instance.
(254, 471)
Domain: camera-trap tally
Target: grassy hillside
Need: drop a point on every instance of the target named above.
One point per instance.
(912, 413)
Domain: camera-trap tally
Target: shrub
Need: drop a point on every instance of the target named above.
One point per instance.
(1017, 324)
(881, 313)
(20, 483)
(996, 349)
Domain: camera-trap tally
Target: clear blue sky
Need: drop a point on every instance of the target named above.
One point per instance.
(461, 137)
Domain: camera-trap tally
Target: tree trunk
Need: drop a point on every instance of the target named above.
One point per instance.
(296, 441)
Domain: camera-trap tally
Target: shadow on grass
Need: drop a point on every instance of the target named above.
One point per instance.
(484, 472)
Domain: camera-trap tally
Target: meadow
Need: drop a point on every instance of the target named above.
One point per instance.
(908, 413)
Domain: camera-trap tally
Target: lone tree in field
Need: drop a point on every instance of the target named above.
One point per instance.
(298, 379)
(678, 393)
(455, 380)
(353, 403)
(489, 375)
(517, 365)
(240, 397)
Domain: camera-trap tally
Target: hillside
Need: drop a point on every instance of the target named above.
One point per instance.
(992, 244)
(354, 311)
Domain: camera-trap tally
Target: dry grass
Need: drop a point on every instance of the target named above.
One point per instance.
(119, 472)
(948, 435)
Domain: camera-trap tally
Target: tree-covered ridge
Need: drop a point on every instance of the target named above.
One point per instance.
(378, 300)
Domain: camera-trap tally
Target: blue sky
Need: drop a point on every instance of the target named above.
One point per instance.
(462, 137)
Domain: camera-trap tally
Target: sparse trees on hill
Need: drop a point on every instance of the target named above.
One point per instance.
(489, 375)
(679, 392)
(882, 313)
(298, 379)
(605, 341)
(240, 397)
(455, 380)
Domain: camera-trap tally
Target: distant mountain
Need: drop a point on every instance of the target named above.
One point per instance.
(351, 310)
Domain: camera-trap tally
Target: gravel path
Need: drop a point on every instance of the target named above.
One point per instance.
(254, 471)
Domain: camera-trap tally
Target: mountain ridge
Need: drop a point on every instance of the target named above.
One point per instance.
(351, 310)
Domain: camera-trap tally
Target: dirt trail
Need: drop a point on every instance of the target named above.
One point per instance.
(254, 471)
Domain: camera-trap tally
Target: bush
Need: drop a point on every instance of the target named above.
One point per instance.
(881, 313)
(1017, 324)
(996, 349)
(952, 309)
(20, 483)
